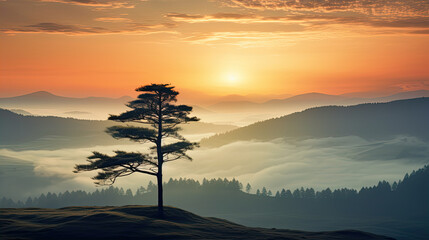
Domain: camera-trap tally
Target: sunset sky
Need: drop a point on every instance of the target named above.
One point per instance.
(217, 47)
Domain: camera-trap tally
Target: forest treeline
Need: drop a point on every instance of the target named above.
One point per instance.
(408, 196)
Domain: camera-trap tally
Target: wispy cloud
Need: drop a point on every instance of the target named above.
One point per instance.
(370, 7)
(55, 28)
(113, 19)
(277, 22)
(219, 17)
(96, 3)
(245, 38)
(252, 18)
(309, 20)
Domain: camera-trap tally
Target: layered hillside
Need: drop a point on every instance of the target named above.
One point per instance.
(371, 121)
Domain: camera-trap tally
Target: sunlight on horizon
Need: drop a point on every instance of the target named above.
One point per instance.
(232, 79)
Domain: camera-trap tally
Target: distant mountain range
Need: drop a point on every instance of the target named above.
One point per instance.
(49, 99)
(38, 132)
(47, 104)
(231, 109)
(372, 121)
(20, 111)
(44, 103)
(308, 100)
(227, 103)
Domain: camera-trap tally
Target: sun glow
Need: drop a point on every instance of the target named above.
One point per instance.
(232, 79)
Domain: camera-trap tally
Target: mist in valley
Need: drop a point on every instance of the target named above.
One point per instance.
(345, 162)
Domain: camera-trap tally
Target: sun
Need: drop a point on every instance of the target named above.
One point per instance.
(232, 78)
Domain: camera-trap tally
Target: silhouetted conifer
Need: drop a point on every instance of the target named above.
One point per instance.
(248, 188)
(154, 108)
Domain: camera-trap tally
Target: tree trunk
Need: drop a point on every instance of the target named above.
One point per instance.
(160, 158)
(160, 195)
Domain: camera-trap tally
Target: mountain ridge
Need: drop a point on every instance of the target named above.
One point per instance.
(45, 97)
(370, 120)
(18, 131)
(312, 99)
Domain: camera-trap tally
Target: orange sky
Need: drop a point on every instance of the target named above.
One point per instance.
(217, 47)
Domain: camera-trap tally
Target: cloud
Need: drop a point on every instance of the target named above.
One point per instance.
(60, 28)
(219, 17)
(293, 21)
(388, 17)
(369, 7)
(319, 163)
(423, 31)
(417, 84)
(247, 18)
(245, 38)
(309, 20)
(96, 3)
(413, 22)
(55, 28)
(113, 19)
(289, 35)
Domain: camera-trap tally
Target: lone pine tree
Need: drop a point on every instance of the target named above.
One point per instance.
(154, 108)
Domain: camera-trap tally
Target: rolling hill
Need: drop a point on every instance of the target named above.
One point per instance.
(142, 222)
(38, 132)
(371, 121)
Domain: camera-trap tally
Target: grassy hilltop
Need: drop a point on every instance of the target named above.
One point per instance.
(141, 222)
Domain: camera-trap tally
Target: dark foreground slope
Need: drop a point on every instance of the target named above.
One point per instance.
(142, 222)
